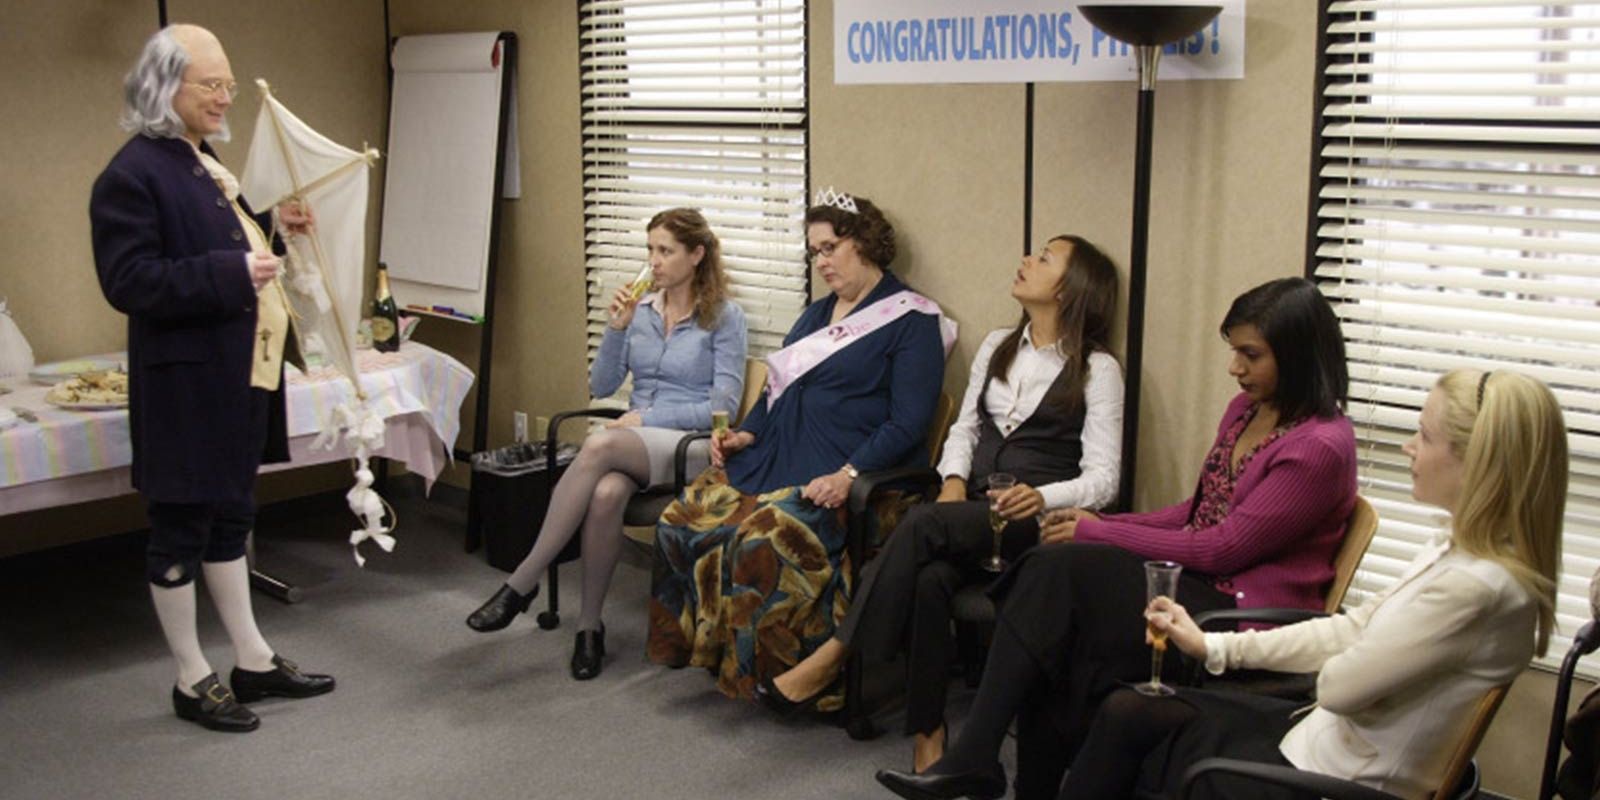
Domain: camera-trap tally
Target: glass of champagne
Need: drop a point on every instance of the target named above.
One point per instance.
(1160, 580)
(642, 283)
(998, 483)
(719, 424)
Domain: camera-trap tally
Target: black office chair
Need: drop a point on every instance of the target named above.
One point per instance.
(1586, 642)
(1461, 779)
(644, 508)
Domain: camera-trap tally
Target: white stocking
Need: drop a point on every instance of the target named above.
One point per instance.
(175, 609)
(229, 583)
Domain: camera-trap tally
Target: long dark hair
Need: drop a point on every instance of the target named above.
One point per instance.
(710, 281)
(1306, 341)
(1088, 292)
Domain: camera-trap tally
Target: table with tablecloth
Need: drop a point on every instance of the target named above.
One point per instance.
(69, 456)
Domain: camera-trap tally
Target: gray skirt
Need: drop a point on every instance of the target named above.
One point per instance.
(662, 446)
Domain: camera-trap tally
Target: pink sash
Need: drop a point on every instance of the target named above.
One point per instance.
(787, 365)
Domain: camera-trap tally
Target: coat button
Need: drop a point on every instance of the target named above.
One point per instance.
(198, 171)
(221, 203)
(237, 235)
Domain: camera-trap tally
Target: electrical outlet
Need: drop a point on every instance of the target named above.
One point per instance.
(519, 426)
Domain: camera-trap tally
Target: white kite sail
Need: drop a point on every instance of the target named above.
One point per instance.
(323, 270)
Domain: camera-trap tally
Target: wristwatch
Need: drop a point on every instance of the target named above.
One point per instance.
(851, 471)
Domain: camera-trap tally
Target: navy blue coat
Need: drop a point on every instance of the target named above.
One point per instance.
(170, 254)
(869, 404)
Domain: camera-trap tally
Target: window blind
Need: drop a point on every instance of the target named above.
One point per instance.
(698, 104)
(1457, 224)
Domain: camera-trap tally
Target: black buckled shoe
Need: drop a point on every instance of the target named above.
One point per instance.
(215, 708)
(985, 784)
(587, 653)
(501, 609)
(284, 680)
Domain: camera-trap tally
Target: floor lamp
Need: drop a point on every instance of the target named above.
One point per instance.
(1148, 28)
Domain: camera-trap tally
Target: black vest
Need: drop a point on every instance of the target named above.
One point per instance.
(1047, 447)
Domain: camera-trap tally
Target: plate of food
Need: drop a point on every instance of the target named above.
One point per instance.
(57, 371)
(95, 390)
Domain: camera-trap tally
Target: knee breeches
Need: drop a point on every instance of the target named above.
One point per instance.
(182, 535)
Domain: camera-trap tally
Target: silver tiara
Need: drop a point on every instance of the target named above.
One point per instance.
(839, 200)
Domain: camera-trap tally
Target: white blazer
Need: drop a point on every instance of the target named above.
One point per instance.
(1400, 674)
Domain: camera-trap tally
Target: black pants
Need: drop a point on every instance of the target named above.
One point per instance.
(903, 604)
(1149, 742)
(1073, 615)
(184, 534)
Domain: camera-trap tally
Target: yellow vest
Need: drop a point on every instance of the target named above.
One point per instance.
(273, 319)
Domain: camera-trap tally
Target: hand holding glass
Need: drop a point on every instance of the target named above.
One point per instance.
(999, 483)
(1160, 580)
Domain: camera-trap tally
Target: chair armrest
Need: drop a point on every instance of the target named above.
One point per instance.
(552, 440)
(1313, 782)
(867, 485)
(862, 491)
(680, 459)
(1217, 620)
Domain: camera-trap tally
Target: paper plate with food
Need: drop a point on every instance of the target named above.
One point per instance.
(96, 390)
(57, 371)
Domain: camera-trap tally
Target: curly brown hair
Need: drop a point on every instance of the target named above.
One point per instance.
(710, 282)
(873, 235)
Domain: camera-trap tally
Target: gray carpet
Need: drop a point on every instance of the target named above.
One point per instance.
(425, 707)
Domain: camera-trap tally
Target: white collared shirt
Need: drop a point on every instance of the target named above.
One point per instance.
(1010, 402)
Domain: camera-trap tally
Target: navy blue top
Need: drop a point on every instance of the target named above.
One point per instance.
(868, 405)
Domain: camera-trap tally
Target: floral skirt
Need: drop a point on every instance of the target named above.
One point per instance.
(746, 585)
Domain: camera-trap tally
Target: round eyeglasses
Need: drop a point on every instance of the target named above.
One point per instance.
(217, 87)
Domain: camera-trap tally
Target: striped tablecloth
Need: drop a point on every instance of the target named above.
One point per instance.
(416, 382)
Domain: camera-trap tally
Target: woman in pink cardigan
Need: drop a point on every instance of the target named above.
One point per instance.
(1261, 530)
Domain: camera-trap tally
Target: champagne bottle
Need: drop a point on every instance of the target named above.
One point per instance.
(385, 315)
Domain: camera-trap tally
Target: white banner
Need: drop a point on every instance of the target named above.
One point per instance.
(1013, 41)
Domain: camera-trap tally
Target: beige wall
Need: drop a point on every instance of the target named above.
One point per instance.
(1231, 165)
(539, 344)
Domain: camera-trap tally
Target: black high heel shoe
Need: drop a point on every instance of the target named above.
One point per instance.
(983, 784)
(768, 693)
(587, 653)
(501, 609)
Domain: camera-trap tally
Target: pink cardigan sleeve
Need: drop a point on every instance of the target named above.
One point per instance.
(1291, 494)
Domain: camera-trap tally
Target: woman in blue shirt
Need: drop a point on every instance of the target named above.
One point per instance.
(749, 572)
(684, 342)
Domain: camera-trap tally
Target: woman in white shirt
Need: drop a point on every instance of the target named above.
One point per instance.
(1044, 404)
(1400, 675)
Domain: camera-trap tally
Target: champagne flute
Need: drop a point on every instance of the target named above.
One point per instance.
(642, 283)
(998, 483)
(1160, 580)
(719, 424)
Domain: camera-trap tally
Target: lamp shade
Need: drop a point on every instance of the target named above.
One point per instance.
(1146, 24)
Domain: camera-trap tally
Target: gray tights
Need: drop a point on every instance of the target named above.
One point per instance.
(609, 469)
